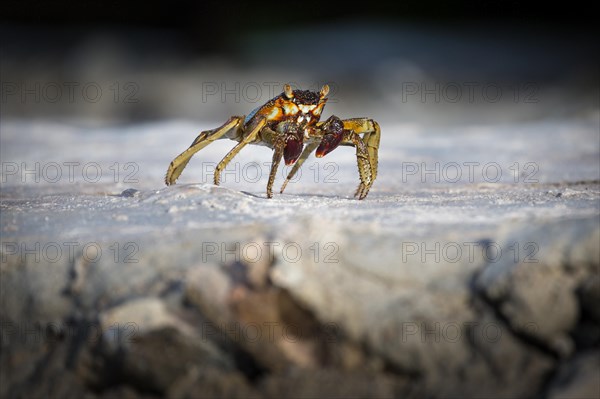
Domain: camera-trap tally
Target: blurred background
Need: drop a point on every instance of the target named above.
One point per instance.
(106, 63)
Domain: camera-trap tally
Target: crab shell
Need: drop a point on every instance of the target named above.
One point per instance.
(298, 108)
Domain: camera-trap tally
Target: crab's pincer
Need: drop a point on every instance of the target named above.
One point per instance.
(294, 143)
(334, 133)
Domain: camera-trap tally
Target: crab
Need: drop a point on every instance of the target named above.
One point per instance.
(290, 125)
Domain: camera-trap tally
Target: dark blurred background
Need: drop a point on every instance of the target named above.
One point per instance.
(108, 62)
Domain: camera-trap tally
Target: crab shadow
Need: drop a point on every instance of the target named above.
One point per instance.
(291, 196)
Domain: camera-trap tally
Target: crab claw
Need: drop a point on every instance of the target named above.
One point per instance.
(292, 150)
(334, 133)
(328, 144)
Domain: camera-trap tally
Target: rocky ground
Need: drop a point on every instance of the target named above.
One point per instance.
(470, 270)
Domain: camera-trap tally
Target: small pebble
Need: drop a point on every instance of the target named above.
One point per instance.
(130, 192)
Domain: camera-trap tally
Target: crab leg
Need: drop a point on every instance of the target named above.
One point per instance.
(371, 137)
(203, 139)
(277, 155)
(250, 137)
(366, 150)
(307, 150)
(364, 166)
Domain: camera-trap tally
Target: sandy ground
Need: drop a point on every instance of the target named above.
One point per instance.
(479, 177)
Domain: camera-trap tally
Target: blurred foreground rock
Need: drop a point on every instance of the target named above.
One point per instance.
(368, 318)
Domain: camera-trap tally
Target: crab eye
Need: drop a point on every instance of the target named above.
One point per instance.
(289, 93)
